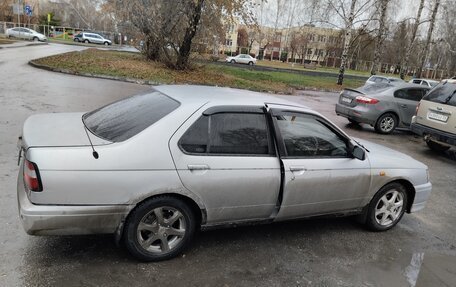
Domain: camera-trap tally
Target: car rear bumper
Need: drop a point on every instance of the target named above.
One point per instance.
(434, 134)
(358, 114)
(422, 193)
(66, 219)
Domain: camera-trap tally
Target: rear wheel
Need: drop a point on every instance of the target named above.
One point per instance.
(437, 147)
(159, 229)
(387, 207)
(386, 123)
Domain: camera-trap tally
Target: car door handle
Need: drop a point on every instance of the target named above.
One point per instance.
(297, 169)
(198, 166)
(403, 106)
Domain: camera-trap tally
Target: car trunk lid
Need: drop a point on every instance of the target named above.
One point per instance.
(57, 130)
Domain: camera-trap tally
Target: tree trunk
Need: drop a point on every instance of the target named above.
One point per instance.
(404, 66)
(347, 40)
(428, 38)
(185, 47)
(380, 36)
(151, 48)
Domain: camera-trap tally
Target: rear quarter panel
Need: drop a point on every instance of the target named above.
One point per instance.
(125, 172)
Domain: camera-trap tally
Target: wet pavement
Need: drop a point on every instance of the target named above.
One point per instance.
(420, 251)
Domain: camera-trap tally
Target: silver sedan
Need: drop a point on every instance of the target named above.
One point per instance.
(383, 106)
(154, 168)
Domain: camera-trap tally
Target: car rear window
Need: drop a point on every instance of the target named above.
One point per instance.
(443, 93)
(123, 119)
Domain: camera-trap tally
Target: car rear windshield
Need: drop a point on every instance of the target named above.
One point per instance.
(443, 93)
(123, 119)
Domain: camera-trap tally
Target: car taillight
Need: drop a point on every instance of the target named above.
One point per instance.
(32, 176)
(366, 100)
(417, 107)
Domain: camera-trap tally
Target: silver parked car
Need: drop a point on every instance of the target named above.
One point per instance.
(242, 59)
(91, 38)
(383, 106)
(25, 33)
(154, 168)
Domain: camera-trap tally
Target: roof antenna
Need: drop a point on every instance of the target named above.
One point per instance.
(94, 153)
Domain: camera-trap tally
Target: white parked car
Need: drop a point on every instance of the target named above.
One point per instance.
(381, 79)
(242, 59)
(25, 33)
(424, 82)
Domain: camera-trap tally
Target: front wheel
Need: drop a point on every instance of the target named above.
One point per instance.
(387, 207)
(35, 39)
(437, 147)
(386, 123)
(250, 63)
(106, 43)
(159, 229)
(232, 61)
(86, 41)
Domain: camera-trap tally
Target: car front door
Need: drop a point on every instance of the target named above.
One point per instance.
(406, 101)
(226, 157)
(320, 175)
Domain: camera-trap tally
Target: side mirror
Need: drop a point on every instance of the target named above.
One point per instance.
(358, 153)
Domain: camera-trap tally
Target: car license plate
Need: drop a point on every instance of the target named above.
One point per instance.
(346, 100)
(438, 117)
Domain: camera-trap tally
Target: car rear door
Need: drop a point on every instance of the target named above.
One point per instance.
(438, 108)
(226, 156)
(406, 100)
(320, 175)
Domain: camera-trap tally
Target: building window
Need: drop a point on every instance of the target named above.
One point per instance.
(229, 42)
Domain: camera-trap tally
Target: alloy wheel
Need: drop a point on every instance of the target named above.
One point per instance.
(161, 230)
(387, 124)
(389, 207)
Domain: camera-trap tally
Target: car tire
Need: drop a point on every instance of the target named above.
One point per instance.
(386, 123)
(233, 62)
(86, 41)
(106, 43)
(387, 207)
(250, 63)
(158, 217)
(35, 39)
(435, 146)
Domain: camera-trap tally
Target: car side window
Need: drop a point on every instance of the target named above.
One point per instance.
(410, 94)
(307, 136)
(228, 134)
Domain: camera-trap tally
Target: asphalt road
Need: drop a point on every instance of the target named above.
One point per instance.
(323, 252)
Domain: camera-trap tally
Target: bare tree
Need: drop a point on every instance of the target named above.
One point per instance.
(381, 34)
(425, 50)
(405, 63)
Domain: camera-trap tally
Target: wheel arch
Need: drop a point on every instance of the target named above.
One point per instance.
(410, 192)
(390, 112)
(199, 211)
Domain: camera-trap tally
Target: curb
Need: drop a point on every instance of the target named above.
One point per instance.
(98, 76)
(153, 83)
(8, 46)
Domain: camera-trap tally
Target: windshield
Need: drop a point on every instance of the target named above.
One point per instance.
(123, 119)
(443, 93)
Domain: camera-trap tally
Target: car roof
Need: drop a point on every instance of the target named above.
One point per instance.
(198, 94)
